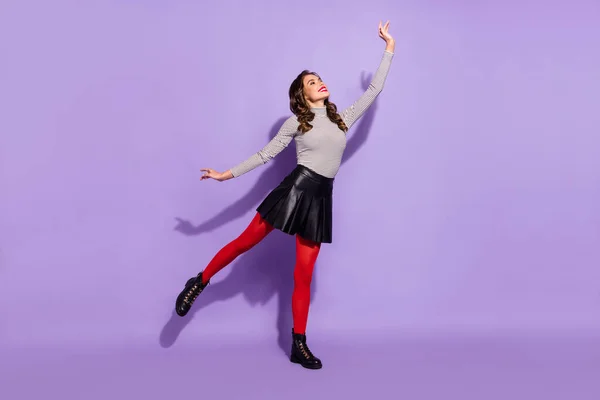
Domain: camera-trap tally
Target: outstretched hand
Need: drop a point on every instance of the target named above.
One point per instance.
(218, 176)
(211, 173)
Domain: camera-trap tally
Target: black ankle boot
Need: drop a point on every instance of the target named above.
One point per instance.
(193, 287)
(301, 354)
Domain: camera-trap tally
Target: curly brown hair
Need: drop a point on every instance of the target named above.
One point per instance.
(301, 109)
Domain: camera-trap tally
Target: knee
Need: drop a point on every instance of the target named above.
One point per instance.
(244, 247)
(302, 276)
(242, 244)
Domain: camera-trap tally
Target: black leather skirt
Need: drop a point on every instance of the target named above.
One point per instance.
(301, 204)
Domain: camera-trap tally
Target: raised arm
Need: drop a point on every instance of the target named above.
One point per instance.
(275, 146)
(351, 114)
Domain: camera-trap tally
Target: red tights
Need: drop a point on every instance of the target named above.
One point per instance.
(306, 256)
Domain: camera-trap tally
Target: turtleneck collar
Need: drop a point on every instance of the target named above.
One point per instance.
(319, 110)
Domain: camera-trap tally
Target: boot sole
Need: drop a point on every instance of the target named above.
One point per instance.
(297, 361)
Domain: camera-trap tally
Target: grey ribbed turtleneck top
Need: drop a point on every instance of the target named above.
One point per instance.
(321, 148)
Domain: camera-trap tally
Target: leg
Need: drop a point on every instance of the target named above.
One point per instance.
(256, 231)
(306, 256)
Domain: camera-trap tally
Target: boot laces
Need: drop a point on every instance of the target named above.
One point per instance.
(193, 293)
(305, 350)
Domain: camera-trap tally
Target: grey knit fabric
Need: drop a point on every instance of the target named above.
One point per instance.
(321, 148)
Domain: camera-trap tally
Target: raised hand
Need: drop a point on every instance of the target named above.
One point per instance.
(385, 35)
(383, 32)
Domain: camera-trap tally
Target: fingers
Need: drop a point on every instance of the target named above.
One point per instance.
(208, 173)
(383, 29)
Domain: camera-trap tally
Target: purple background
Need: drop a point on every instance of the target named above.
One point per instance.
(466, 254)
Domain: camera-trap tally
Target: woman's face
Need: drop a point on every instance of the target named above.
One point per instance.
(314, 89)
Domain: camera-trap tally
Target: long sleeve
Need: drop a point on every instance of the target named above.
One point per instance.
(351, 114)
(281, 140)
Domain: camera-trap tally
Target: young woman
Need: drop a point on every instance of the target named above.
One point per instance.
(301, 204)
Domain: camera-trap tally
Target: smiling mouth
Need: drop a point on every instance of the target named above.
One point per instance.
(323, 89)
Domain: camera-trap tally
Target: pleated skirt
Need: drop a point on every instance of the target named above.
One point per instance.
(301, 204)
